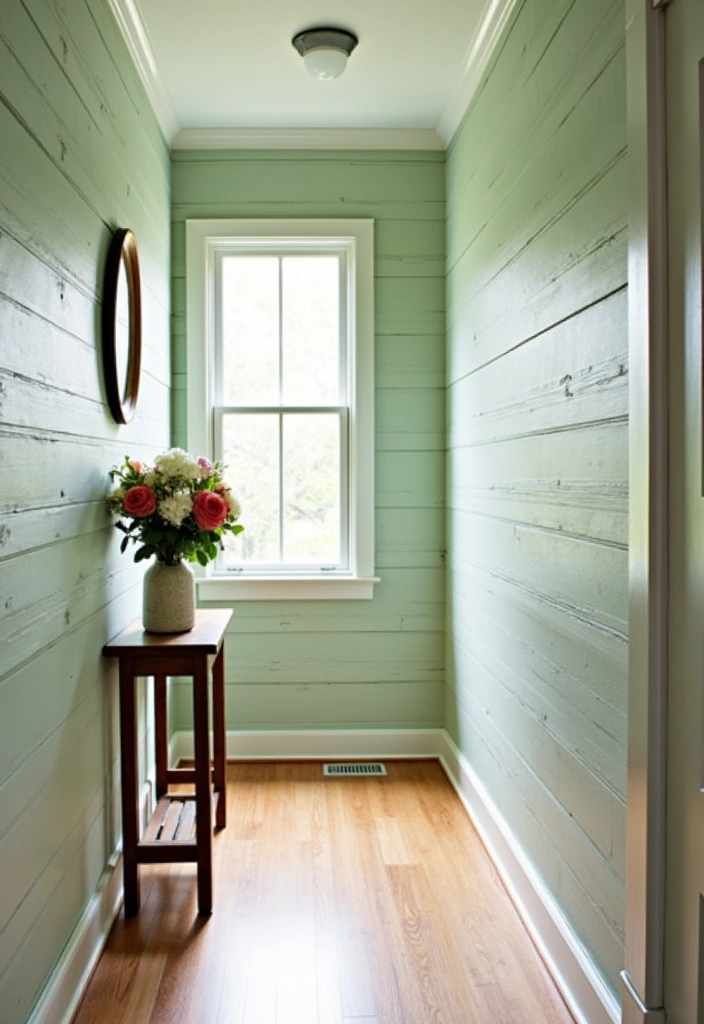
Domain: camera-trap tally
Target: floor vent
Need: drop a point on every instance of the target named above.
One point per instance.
(355, 768)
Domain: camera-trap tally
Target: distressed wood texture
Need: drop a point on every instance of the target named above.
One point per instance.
(338, 901)
(537, 373)
(346, 664)
(81, 154)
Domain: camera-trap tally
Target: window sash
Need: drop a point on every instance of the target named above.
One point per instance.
(204, 238)
(280, 567)
(280, 249)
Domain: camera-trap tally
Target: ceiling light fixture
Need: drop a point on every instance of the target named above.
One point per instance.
(325, 51)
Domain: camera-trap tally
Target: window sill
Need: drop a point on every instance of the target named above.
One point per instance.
(293, 588)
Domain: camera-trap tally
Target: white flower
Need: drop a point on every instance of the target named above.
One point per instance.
(175, 508)
(177, 462)
(150, 478)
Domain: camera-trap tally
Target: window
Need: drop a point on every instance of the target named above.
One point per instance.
(280, 387)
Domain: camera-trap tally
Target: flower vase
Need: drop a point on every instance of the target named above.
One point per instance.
(168, 604)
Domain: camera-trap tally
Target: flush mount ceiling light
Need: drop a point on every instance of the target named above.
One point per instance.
(325, 51)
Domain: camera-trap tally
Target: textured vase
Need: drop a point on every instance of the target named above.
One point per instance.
(168, 604)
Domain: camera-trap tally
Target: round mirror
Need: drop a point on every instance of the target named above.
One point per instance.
(122, 325)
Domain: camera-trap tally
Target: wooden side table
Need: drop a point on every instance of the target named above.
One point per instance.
(169, 836)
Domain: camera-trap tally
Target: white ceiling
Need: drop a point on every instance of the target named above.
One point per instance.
(229, 64)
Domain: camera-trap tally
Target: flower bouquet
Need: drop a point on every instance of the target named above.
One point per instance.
(176, 509)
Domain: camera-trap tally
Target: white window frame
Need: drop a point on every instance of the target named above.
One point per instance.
(204, 238)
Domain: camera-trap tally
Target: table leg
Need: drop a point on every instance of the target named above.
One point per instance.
(219, 758)
(204, 827)
(160, 734)
(130, 804)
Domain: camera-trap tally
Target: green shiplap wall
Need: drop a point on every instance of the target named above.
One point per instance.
(81, 154)
(358, 664)
(537, 471)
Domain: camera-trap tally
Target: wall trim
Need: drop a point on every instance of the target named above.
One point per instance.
(69, 979)
(308, 138)
(583, 989)
(140, 49)
(71, 974)
(479, 53)
(648, 523)
(634, 1012)
(313, 744)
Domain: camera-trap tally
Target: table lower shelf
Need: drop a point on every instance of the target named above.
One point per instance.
(173, 821)
(170, 836)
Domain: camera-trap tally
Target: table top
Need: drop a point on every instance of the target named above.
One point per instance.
(205, 637)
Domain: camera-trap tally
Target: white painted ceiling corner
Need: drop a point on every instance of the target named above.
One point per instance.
(391, 89)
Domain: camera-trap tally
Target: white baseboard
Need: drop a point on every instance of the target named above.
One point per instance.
(634, 1011)
(69, 979)
(587, 996)
(584, 991)
(312, 744)
(71, 974)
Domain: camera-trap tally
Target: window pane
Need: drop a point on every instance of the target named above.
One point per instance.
(251, 453)
(310, 330)
(311, 503)
(250, 330)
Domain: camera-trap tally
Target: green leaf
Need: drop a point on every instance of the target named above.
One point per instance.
(123, 545)
(202, 557)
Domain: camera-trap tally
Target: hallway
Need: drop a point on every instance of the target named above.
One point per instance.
(365, 900)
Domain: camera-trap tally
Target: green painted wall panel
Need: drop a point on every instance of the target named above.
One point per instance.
(262, 705)
(360, 663)
(537, 465)
(81, 155)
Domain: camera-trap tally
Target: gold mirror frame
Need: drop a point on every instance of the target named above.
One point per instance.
(122, 257)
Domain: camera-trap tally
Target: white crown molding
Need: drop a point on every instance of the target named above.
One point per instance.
(491, 25)
(130, 23)
(307, 138)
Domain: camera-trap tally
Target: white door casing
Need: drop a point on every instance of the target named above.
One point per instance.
(664, 976)
(643, 981)
(684, 922)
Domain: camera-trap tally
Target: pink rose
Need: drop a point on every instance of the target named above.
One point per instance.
(206, 465)
(139, 502)
(209, 510)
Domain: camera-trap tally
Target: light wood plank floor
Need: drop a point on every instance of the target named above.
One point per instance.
(337, 901)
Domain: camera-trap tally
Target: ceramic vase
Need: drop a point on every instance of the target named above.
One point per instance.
(168, 604)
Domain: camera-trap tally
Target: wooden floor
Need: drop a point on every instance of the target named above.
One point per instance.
(337, 901)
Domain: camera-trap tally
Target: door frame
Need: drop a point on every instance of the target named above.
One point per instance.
(643, 976)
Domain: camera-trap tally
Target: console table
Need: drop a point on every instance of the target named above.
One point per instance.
(181, 827)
